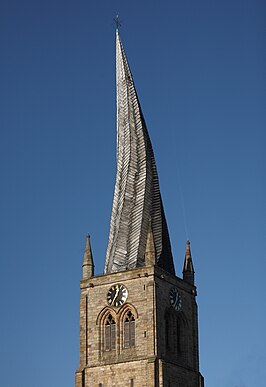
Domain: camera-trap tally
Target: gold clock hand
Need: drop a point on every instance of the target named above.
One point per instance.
(116, 294)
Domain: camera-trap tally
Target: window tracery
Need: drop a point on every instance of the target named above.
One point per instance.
(129, 330)
(110, 333)
(173, 328)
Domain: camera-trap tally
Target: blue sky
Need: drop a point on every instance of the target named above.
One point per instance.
(199, 68)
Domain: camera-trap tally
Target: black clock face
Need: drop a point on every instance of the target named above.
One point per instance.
(175, 299)
(117, 295)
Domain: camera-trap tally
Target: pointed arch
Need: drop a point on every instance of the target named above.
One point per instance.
(129, 329)
(127, 317)
(182, 318)
(103, 313)
(124, 310)
(109, 333)
(175, 324)
(107, 322)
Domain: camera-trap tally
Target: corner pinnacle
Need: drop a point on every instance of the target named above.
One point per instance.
(88, 265)
(188, 269)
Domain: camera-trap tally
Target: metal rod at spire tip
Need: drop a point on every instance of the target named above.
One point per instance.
(117, 22)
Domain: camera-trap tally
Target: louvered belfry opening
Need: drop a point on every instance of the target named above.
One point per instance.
(129, 330)
(110, 334)
(137, 205)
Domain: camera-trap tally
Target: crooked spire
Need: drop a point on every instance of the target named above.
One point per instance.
(88, 264)
(137, 205)
(188, 269)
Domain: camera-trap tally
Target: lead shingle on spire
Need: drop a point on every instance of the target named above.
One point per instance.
(137, 204)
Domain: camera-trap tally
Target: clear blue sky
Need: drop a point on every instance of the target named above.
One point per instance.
(199, 68)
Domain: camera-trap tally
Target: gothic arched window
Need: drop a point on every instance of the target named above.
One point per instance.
(109, 333)
(172, 333)
(129, 330)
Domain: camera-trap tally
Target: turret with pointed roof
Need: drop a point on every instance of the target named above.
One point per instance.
(88, 264)
(137, 213)
(188, 269)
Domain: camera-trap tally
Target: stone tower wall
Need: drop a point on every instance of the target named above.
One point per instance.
(149, 363)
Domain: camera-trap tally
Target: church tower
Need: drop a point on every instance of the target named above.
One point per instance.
(138, 321)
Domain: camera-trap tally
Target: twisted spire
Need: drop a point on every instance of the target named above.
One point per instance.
(137, 212)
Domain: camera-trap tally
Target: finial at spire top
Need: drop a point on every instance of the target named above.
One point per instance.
(117, 22)
(88, 244)
(188, 252)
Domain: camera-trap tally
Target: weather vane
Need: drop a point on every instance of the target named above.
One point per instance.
(117, 22)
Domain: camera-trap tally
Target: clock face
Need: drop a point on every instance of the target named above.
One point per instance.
(117, 295)
(175, 299)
